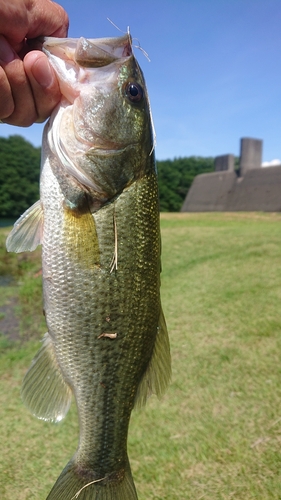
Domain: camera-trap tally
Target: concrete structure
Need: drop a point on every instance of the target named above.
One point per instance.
(250, 154)
(251, 188)
(224, 162)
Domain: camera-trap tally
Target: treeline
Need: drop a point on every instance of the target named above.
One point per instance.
(20, 169)
(19, 175)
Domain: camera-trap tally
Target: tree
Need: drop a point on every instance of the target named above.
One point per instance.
(19, 175)
(175, 178)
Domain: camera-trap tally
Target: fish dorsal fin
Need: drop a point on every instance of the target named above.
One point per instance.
(26, 234)
(158, 373)
(44, 391)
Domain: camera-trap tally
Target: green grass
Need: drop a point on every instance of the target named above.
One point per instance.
(217, 432)
(24, 271)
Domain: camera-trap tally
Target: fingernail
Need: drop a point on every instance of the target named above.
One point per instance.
(6, 52)
(42, 72)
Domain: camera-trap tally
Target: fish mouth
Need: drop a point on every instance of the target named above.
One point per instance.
(89, 53)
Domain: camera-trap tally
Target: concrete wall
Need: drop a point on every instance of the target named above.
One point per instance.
(259, 189)
(251, 188)
(209, 192)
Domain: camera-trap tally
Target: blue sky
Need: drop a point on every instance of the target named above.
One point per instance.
(214, 74)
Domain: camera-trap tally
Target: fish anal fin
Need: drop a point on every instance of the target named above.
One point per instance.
(158, 373)
(26, 234)
(44, 391)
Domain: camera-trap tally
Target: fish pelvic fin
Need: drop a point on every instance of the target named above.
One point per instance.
(26, 234)
(76, 483)
(44, 391)
(158, 373)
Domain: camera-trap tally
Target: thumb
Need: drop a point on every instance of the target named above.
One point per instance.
(43, 81)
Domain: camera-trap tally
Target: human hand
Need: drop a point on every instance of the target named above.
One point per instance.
(29, 90)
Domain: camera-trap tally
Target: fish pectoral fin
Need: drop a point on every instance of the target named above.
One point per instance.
(158, 373)
(26, 234)
(44, 391)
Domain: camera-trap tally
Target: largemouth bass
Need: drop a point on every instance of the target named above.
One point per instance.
(98, 222)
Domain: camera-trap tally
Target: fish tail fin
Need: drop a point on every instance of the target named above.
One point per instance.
(77, 483)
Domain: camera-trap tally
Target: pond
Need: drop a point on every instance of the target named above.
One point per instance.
(7, 222)
(6, 280)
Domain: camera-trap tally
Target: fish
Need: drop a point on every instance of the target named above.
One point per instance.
(98, 223)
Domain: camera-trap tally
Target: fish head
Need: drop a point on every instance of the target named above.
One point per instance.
(102, 131)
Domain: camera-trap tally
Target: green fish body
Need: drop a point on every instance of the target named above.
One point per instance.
(98, 222)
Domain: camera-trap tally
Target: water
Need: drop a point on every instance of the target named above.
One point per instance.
(6, 280)
(7, 222)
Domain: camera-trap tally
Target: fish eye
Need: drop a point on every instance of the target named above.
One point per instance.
(134, 92)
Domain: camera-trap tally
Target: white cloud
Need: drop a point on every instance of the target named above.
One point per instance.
(271, 163)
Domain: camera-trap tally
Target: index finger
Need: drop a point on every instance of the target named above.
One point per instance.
(41, 18)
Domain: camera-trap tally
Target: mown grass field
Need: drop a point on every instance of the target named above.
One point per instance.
(217, 432)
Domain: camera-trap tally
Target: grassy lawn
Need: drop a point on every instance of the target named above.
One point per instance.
(217, 432)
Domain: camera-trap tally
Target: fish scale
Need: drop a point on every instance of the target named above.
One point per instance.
(111, 293)
(98, 222)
